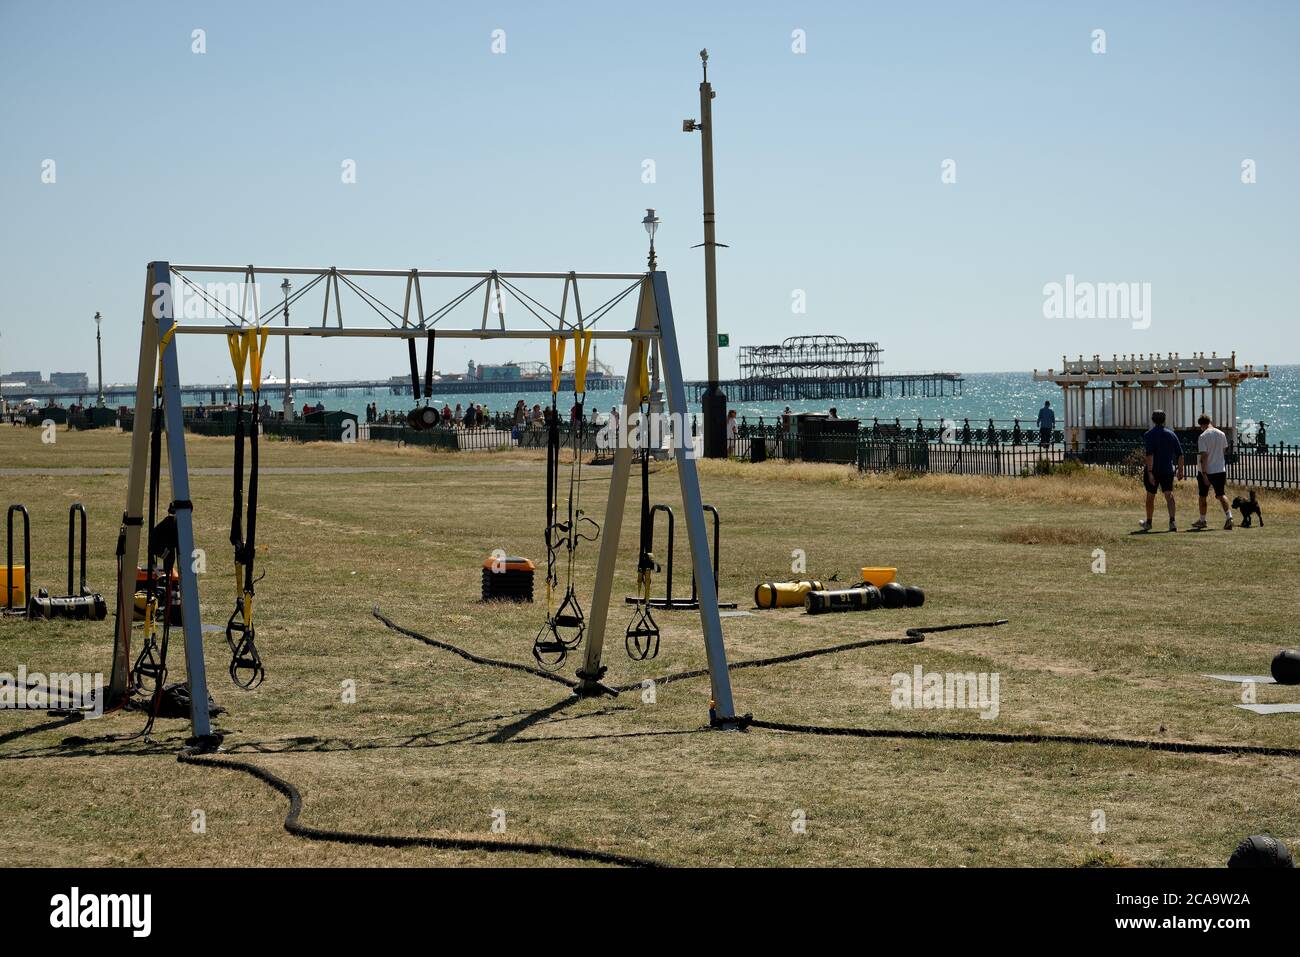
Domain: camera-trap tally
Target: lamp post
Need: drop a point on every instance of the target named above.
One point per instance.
(651, 224)
(285, 288)
(99, 359)
(655, 400)
(714, 400)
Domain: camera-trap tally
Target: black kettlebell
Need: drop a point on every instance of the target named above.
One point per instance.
(913, 597)
(893, 595)
(1286, 667)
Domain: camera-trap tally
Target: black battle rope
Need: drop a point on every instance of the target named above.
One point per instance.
(914, 636)
(470, 656)
(292, 825)
(1177, 747)
(779, 659)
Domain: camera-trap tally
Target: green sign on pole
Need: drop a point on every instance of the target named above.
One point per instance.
(724, 340)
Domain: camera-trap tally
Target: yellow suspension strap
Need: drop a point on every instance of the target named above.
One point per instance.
(246, 350)
(581, 528)
(549, 647)
(565, 626)
(642, 637)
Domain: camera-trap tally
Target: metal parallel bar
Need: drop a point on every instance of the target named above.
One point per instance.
(401, 273)
(413, 332)
(577, 300)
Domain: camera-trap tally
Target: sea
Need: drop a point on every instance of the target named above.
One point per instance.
(1001, 396)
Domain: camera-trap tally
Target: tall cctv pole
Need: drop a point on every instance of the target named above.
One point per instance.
(714, 400)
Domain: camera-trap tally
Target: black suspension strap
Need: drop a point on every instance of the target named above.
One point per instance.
(428, 366)
(550, 647)
(642, 637)
(415, 369)
(565, 626)
(150, 668)
(246, 670)
(159, 676)
(422, 416)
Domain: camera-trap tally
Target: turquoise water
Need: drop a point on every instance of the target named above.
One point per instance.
(985, 395)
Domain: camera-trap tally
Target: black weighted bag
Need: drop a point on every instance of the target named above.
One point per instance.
(1286, 667)
(844, 599)
(893, 595)
(913, 597)
(1261, 850)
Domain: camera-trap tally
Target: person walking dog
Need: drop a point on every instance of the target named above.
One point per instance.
(1211, 447)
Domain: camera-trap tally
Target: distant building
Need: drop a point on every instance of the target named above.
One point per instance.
(509, 371)
(76, 381)
(1109, 399)
(22, 378)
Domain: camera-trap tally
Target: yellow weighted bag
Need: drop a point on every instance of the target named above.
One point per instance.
(784, 594)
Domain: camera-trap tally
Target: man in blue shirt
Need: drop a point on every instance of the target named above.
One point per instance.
(1046, 423)
(1164, 463)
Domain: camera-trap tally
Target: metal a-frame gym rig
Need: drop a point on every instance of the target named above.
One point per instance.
(159, 374)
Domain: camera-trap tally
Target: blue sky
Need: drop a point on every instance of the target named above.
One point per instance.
(1115, 167)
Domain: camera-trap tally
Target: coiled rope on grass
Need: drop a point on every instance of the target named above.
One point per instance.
(294, 827)
(469, 655)
(912, 636)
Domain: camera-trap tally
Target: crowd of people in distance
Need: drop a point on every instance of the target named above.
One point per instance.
(479, 416)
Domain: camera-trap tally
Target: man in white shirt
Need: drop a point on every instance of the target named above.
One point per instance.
(1212, 447)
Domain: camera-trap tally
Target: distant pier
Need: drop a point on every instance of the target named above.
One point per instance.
(824, 367)
(924, 384)
(223, 393)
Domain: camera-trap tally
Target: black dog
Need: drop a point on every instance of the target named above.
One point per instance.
(1248, 507)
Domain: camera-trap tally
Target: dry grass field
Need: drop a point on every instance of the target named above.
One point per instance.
(433, 744)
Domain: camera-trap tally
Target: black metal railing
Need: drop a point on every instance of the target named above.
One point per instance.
(953, 431)
(996, 451)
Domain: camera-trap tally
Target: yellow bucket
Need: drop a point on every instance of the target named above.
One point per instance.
(878, 575)
(20, 585)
